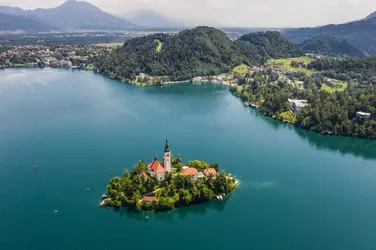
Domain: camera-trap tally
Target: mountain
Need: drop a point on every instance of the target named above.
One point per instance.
(74, 15)
(360, 34)
(194, 52)
(370, 16)
(13, 11)
(330, 46)
(150, 18)
(272, 44)
(14, 22)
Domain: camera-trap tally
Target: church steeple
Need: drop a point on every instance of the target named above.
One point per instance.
(167, 147)
(167, 157)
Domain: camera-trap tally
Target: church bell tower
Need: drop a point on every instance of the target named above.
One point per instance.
(167, 157)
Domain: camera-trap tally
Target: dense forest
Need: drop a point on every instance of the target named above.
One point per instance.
(201, 51)
(272, 44)
(359, 70)
(327, 112)
(330, 46)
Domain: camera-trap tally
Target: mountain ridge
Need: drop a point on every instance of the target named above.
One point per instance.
(27, 23)
(73, 14)
(360, 33)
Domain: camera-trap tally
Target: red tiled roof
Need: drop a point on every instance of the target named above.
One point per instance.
(189, 172)
(210, 171)
(149, 198)
(156, 167)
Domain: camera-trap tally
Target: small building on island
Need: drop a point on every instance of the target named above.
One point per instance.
(155, 168)
(362, 116)
(297, 105)
(210, 171)
(191, 172)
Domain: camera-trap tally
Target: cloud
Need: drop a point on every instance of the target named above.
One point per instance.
(246, 13)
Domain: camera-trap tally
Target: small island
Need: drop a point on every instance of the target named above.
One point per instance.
(168, 184)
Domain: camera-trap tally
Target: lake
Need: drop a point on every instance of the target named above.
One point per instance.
(298, 190)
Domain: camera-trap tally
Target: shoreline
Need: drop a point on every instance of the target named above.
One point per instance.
(327, 133)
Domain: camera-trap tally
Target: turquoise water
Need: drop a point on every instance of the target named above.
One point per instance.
(298, 190)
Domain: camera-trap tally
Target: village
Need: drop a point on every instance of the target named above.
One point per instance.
(67, 56)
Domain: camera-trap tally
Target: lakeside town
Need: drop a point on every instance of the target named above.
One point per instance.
(66, 56)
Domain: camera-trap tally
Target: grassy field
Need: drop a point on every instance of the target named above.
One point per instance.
(285, 63)
(109, 45)
(241, 69)
(159, 46)
(338, 86)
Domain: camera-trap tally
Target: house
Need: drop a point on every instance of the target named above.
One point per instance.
(362, 116)
(210, 171)
(149, 199)
(191, 172)
(297, 105)
(155, 168)
(71, 54)
(142, 75)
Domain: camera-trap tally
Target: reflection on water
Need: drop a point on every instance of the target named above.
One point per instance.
(345, 145)
(177, 214)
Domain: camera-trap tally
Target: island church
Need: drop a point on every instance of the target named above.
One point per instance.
(155, 168)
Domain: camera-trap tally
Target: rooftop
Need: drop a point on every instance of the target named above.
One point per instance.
(210, 171)
(298, 103)
(189, 172)
(363, 113)
(156, 167)
(149, 198)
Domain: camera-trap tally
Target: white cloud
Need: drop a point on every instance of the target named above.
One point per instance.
(251, 13)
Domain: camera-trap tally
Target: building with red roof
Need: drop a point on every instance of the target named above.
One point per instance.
(155, 168)
(191, 172)
(149, 198)
(209, 171)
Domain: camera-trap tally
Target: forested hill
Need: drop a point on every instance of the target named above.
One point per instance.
(201, 51)
(330, 46)
(272, 44)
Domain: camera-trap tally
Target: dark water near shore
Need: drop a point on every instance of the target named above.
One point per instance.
(299, 190)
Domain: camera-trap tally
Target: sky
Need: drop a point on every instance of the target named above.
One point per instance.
(239, 13)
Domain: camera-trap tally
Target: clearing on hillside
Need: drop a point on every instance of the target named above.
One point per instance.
(159, 45)
(241, 69)
(285, 63)
(335, 86)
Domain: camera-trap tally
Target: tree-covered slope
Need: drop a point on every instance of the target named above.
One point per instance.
(272, 44)
(201, 51)
(330, 46)
(195, 52)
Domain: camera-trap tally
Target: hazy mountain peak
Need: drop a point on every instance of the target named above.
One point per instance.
(151, 18)
(372, 15)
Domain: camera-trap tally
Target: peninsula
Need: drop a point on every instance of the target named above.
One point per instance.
(167, 184)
